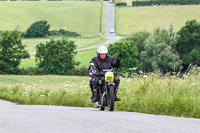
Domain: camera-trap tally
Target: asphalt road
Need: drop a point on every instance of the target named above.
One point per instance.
(109, 24)
(59, 119)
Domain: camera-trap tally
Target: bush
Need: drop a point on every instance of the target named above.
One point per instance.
(121, 4)
(56, 56)
(63, 32)
(11, 52)
(82, 71)
(188, 43)
(158, 54)
(129, 52)
(38, 29)
(31, 71)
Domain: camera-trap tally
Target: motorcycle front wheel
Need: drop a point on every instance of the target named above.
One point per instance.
(111, 100)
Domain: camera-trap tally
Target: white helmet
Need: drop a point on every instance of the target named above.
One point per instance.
(102, 50)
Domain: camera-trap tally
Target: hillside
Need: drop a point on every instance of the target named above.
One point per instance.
(133, 19)
(79, 16)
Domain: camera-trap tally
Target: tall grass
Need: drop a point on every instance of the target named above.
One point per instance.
(147, 93)
(46, 90)
(165, 95)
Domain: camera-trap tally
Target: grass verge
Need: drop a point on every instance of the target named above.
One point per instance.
(152, 93)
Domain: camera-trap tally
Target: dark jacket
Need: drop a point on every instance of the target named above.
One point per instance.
(109, 62)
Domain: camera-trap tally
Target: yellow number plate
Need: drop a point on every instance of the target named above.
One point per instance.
(109, 77)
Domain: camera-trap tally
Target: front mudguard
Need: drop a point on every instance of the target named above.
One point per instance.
(107, 89)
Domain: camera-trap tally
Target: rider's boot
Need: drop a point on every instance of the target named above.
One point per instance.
(116, 98)
(95, 99)
(92, 96)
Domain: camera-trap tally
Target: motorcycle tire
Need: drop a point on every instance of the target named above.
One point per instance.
(102, 107)
(111, 100)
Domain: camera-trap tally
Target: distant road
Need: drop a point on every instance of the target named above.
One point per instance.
(59, 119)
(110, 24)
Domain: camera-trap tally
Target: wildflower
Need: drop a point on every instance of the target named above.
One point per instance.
(133, 69)
(129, 80)
(185, 76)
(12, 92)
(66, 85)
(140, 72)
(193, 84)
(25, 94)
(50, 93)
(84, 81)
(86, 85)
(145, 76)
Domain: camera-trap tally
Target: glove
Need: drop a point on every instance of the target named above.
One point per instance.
(119, 57)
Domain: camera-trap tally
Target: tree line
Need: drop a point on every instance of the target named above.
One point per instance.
(52, 57)
(160, 2)
(42, 29)
(161, 51)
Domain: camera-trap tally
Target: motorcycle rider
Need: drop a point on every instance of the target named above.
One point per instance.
(103, 61)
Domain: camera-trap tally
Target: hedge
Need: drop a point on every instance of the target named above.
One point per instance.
(165, 2)
(121, 4)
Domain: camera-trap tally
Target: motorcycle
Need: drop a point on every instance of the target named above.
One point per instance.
(106, 88)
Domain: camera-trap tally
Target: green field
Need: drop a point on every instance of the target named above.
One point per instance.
(133, 19)
(80, 42)
(28, 63)
(146, 93)
(79, 16)
(84, 57)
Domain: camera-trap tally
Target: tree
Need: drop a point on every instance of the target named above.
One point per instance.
(129, 52)
(56, 56)
(38, 29)
(138, 39)
(11, 52)
(188, 43)
(158, 54)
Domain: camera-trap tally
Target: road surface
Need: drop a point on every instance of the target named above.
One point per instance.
(109, 24)
(60, 119)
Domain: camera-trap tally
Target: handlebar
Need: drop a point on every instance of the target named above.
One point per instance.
(97, 73)
(102, 74)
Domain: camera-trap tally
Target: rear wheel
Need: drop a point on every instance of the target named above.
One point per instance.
(111, 100)
(102, 108)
